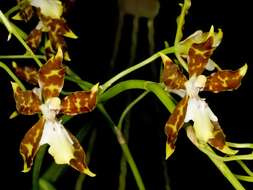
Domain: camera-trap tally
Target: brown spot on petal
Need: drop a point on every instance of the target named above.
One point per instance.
(27, 102)
(79, 102)
(175, 122)
(225, 80)
(172, 76)
(30, 144)
(51, 76)
(29, 74)
(199, 55)
(34, 38)
(78, 162)
(218, 141)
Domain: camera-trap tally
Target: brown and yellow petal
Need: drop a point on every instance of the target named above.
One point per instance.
(172, 76)
(27, 102)
(30, 144)
(29, 74)
(78, 162)
(51, 76)
(225, 80)
(80, 102)
(174, 124)
(198, 56)
(218, 141)
(34, 38)
(25, 13)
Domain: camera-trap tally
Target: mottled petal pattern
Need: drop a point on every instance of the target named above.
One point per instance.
(78, 162)
(174, 124)
(27, 102)
(172, 76)
(198, 56)
(51, 76)
(25, 13)
(225, 80)
(79, 102)
(218, 141)
(29, 74)
(30, 144)
(34, 38)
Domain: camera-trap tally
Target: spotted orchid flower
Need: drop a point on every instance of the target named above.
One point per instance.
(192, 107)
(51, 22)
(63, 146)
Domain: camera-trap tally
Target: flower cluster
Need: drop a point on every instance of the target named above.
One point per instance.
(51, 21)
(64, 147)
(197, 49)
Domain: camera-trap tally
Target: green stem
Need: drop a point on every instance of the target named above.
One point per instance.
(124, 148)
(245, 167)
(22, 57)
(244, 178)
(11, 10)
(13, 31)
(37, 166)
(129, 107)
(135, 67)
(226, 172)
(240, 145)
(12, 75)
(156, 88)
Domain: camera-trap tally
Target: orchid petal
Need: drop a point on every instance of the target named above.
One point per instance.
(27, 102)
(51, 76)
(218, 140)
(174, 124)
(50, 8)
(34, 38)
(29, 74)
(30, 144)
(199, 53)
(80, 102)
(25, 13)
(64, 147)
(172, 76)
(225, 80)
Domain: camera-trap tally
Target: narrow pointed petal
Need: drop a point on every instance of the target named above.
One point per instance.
(34, 38)
(29, 74)
(64, 147)
(80, 102)
(225, 80)
(218, 141)
(174, 124)
(30, 144)
(51, 76)
(27, 102)
(172, 76)
(78, 162)
(25, 14)
(199, 55)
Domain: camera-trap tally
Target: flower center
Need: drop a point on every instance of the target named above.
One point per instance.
(51, 108)
(194, 85)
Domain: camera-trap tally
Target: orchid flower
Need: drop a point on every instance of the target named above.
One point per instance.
(63, 146)
(192, 107)
(51, 22)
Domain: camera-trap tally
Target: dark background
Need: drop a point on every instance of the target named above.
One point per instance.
(95, 23)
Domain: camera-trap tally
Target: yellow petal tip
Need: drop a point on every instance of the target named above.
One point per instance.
(88, 172)
(17, 17)
(169, 151)
(243, 69)
(70, 34)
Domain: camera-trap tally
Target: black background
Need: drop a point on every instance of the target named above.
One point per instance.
(95, 23)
